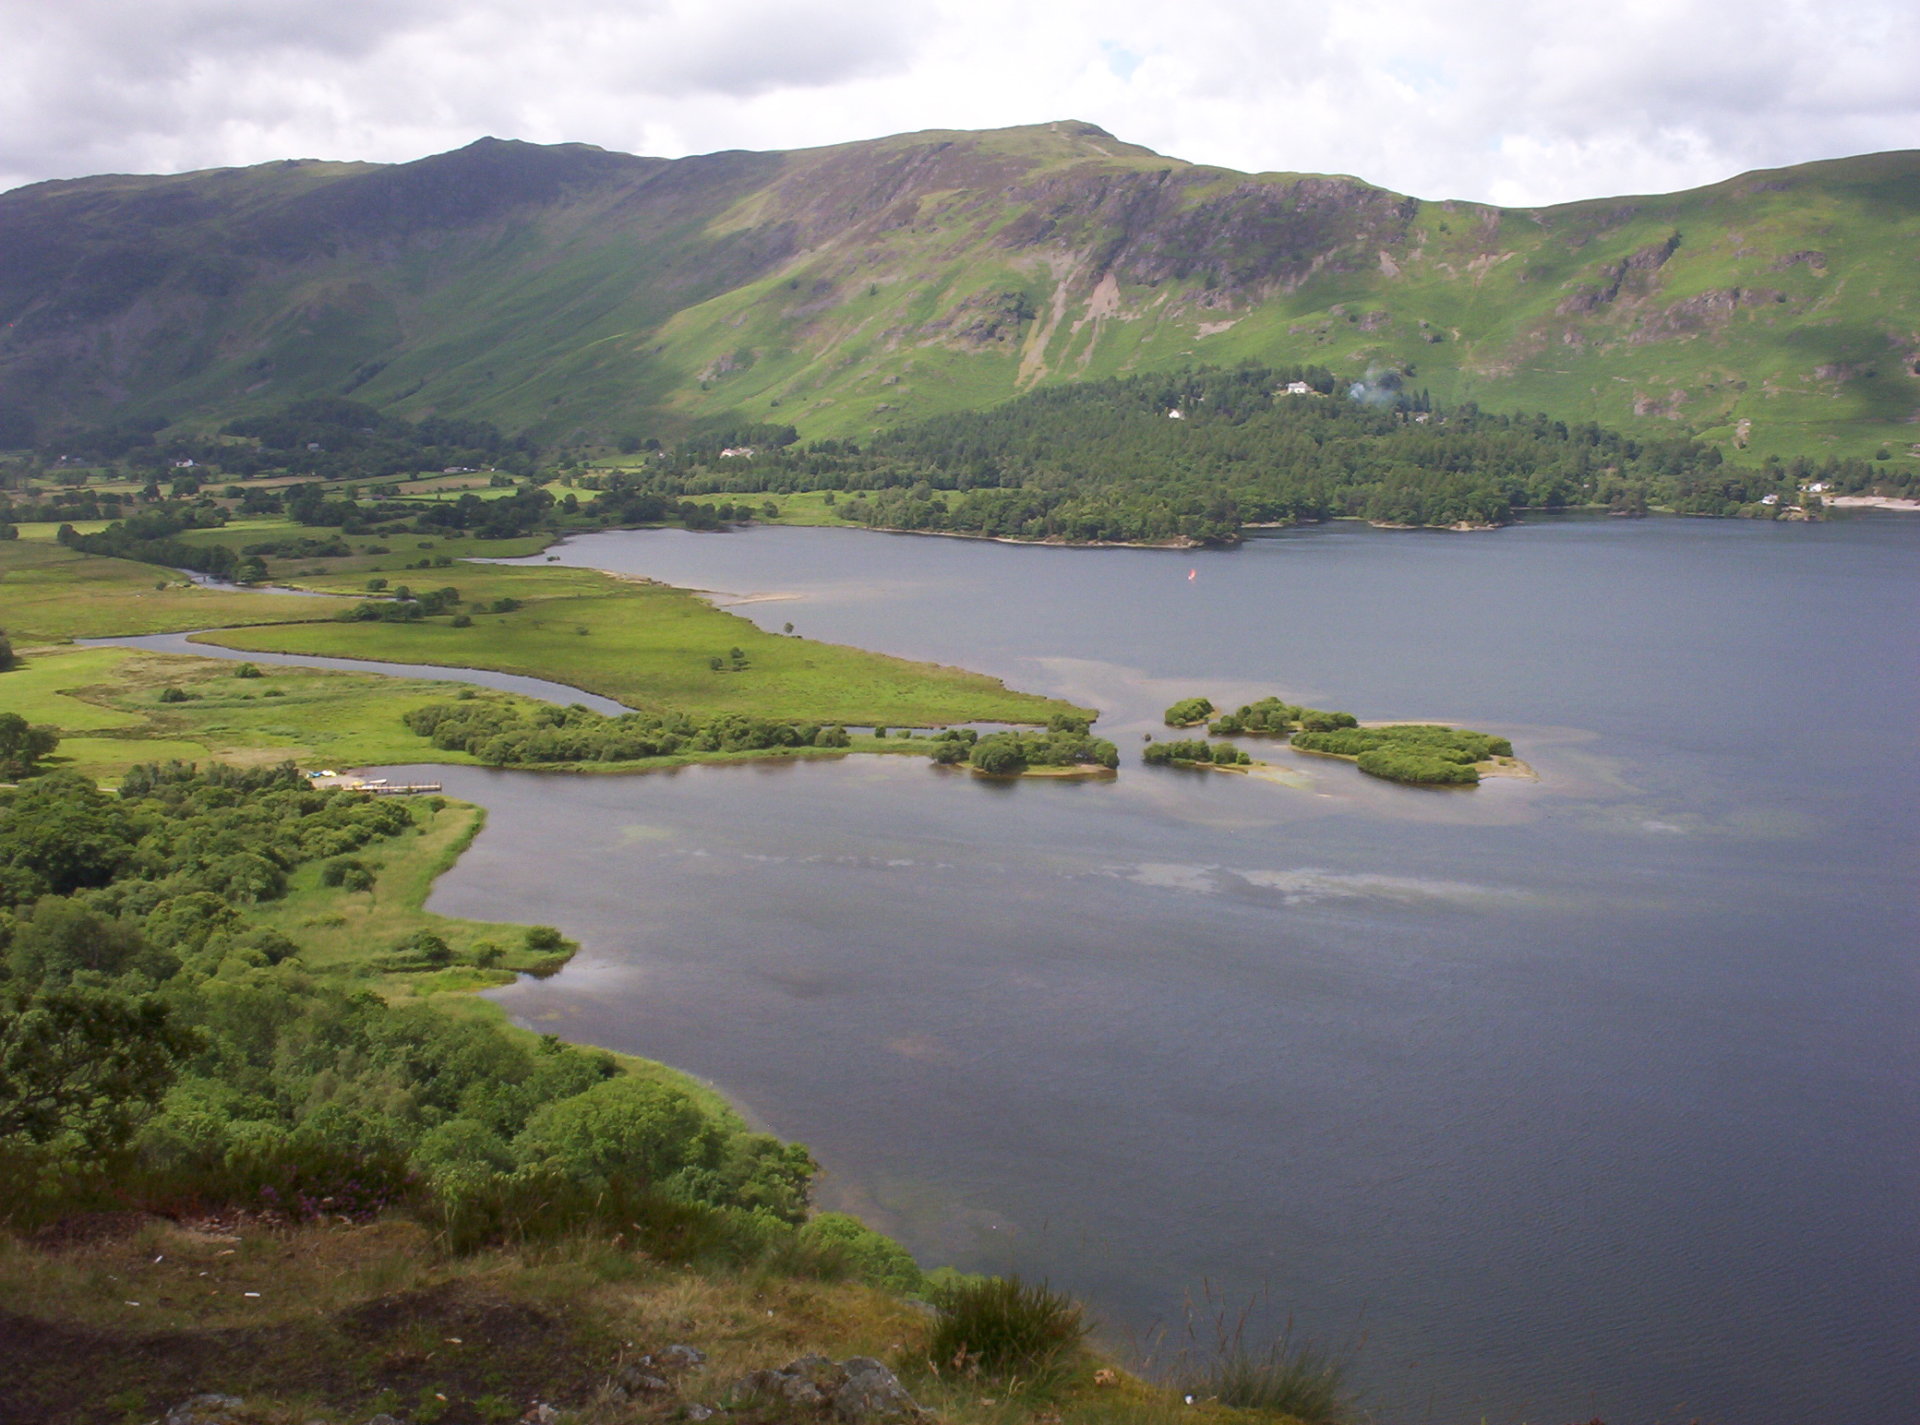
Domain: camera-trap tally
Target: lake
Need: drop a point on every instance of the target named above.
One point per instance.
(1590, 1097)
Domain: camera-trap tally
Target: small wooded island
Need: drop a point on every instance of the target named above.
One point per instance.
(1065, 748)
(1419, 754)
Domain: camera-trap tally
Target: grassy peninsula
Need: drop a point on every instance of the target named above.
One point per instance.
(656, 649)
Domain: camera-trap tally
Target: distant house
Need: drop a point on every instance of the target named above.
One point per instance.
(744, 452)
(1818, 487)
(1769, 499)
(1176, 415)
(1298, 388)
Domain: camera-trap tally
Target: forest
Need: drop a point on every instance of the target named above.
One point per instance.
(1197, 457)
(158, 1045)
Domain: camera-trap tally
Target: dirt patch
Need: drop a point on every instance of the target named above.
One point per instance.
(465, 1351)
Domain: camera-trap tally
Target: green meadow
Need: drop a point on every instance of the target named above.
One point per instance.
(106, 704)
(652, 647)
(49, 593)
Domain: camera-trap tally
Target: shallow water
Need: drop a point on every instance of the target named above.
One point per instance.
(1585, 1097)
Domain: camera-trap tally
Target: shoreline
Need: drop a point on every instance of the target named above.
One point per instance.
(1090, 771)
(1874, 502)
(1050, 541)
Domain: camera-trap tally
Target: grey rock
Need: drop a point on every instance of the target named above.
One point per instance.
(757, 1385)
(385, 1419)
(208, 1410)
(636, 1380)
(797, 1390)
(872, 1392)
(541, 1414)
(861, 1391)
(697, 1411)
(682, 1358)
(790, 1386)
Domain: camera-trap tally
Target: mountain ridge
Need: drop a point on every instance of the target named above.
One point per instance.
(585, 295)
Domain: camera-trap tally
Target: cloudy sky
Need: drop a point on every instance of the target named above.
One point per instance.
(1515, 103)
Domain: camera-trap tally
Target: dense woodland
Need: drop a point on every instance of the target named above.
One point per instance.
(1200, 456)
(157, 1045)
(505, 734)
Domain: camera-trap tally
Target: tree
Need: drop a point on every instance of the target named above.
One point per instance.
(9, 660)
(999, 755)
(86, 1063)
(62, 833)
(624, 1127)
(22, 744)
(60, 938)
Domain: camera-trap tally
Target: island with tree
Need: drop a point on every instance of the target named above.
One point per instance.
(1418, 754)
(1067, 748)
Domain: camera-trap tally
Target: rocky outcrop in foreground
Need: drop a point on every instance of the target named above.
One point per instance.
(856, 1391)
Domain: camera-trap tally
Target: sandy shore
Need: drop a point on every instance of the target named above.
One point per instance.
(1873, 502)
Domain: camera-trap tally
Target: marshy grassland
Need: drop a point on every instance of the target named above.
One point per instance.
(49, 593)
(653, 648)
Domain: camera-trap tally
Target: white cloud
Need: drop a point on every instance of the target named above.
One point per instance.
(1482, 99)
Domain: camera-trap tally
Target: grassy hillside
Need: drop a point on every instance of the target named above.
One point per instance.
(582, 295)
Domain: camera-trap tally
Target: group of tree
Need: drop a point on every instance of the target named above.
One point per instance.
(154, 1037)
(1424, 753)
(1192, 751)
(1275, 717)
(1108, 460)
(23, 745)
(1067, 741)
(153, 537)
(1269, 717)
(407, 605)
(505, 733)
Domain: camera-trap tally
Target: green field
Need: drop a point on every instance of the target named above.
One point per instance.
(649, 646)
(49, 593)
(105, 703)
(808, 508)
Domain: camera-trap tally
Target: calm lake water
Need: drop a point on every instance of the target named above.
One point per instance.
(1587, 1097)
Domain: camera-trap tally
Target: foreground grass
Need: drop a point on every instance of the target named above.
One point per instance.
(116, 1319)
(650, 646)
(49, 593)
